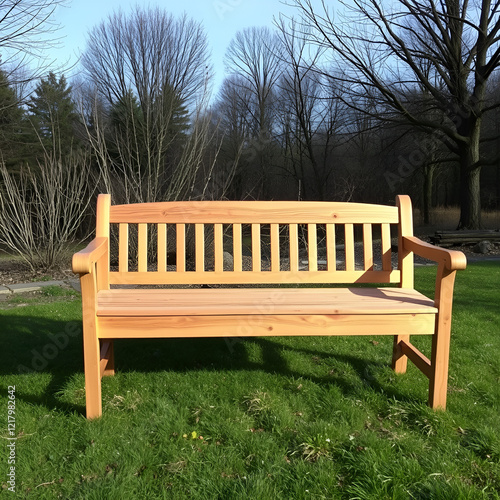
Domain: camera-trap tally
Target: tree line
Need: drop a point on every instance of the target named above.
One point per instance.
(361, 105)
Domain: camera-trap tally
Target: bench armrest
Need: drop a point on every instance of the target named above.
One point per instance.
(84, 259)
(452, 259)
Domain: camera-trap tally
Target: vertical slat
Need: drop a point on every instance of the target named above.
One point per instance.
(142, 252)
(312, 244)
(123, 248)
(275, 247)
(102, 230)
(162, 248)
(330, 247)
(405, 266)
(405, 257)
(386, 247)
(199, 230)
(294, 247)
(237, 248)
(349, 247)
(367, 247)
(256, 264)
(218, 248)
(180, 230)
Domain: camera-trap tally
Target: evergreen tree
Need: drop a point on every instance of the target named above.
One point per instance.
(12, 124)
(174, 105)
(54, 114)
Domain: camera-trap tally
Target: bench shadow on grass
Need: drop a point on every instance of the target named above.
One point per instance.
(41, 345)
(33, 345)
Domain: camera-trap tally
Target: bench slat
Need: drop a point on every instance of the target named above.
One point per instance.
(162, 247)
(367, 247)
(312, 247)
(218, 248)
(386, 247)
(256, 259)
(272, 325)
(294, 247)
(237, 248)
(349, 247)
(199, 230)
(330, 247)
(142, 247)
(180, 237)
(123, 247)
(275, 247)
(259, 301)
(254, 212)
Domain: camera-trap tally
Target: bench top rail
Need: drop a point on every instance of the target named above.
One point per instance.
(249, 212)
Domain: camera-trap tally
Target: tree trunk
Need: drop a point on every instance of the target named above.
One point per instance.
(470, 194)
(470, 201)
(428, 182)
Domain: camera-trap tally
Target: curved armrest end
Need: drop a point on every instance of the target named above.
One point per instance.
(82, 260)
(453, 259)
(458, 260)
(81, 264)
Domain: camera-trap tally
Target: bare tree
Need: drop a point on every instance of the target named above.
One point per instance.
(27, 30)
(146, 52)
(42, 207)
(151, 75)
(254, 57)
(312, 114)
(234, 125)
(382, 53)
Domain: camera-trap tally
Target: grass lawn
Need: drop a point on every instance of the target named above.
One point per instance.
(275, 418)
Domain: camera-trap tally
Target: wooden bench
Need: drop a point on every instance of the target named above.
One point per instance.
(286, 229)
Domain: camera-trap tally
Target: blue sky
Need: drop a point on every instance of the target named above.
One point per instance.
(220, 18)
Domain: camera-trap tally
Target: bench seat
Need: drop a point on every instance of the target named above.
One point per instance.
(261, 301)
(244, 312)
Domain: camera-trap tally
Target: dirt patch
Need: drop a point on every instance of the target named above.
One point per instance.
(14, 271)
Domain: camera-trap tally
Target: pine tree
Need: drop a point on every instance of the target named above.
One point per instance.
(12, 124)
(54, 113)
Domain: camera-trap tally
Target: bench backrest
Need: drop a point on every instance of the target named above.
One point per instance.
(274, 236)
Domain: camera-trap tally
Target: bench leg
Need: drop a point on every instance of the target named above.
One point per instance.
(92, 357)
(440, 356)
(399, 360)
(91, 349)
(438, 381)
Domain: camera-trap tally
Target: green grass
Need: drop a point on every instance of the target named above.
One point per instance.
(48, 294)
(274, 418)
